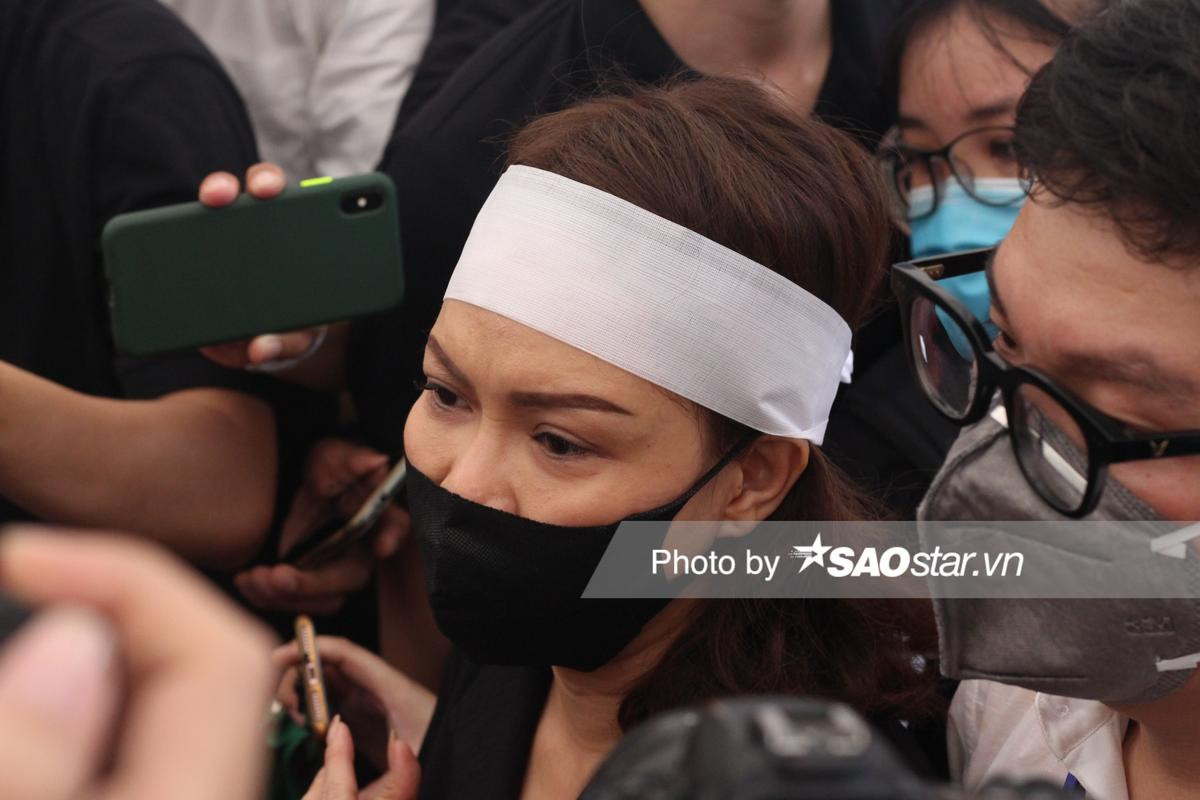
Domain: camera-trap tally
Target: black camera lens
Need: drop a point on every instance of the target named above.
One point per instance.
(361, 202)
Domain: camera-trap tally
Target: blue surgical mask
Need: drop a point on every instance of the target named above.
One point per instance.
(972, 291)
(960, 222)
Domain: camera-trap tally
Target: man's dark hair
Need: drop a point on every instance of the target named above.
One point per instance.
(1113, 121)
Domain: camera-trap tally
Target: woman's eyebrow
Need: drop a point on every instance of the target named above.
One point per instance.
(586, 402)
(440, 354)
(1002, 107)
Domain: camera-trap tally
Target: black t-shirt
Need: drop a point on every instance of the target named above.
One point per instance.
(106, 106)
(461, 28)
(479, 740)
(447, 158)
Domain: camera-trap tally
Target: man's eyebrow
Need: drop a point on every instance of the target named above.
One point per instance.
(1130, 365)
(440, 354)
(585, 402)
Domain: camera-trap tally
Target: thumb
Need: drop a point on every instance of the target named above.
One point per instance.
(59, 692)
(403, 778)
(340, 781)
(363, 460)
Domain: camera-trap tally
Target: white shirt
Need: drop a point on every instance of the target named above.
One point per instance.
(998, 731)
(322, 79)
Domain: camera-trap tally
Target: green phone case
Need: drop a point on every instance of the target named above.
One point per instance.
(185, 275)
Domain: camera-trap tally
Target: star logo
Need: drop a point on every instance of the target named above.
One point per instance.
(814, 553)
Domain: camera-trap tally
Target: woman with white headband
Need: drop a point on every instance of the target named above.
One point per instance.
(650, 320)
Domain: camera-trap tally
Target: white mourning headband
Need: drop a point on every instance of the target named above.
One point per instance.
(657, 300)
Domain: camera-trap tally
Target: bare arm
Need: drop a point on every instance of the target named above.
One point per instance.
(194, 470)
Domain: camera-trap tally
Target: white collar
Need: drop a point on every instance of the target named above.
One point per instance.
(1086, 737)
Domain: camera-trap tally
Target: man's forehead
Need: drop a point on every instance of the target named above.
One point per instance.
(1087, 313)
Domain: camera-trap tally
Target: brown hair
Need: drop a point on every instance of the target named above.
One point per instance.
(721, 157)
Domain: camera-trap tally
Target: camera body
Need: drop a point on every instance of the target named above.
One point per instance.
(771, 747)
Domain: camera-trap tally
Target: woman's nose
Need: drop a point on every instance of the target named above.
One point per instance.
(478, 475)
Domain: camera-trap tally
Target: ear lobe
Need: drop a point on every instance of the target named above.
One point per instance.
(769, 470)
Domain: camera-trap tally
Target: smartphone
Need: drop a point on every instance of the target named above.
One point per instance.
(186, 275)
(333, 540)
(316, 698)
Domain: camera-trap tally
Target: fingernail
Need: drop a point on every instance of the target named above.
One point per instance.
(267, 181)
(335, 728)
(59, 663)
(224, 182)
(287, 581)
(270, 347)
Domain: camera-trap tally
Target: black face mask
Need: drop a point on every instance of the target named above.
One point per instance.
(508, 590)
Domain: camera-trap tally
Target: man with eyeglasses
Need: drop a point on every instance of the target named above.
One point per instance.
(1091, 342)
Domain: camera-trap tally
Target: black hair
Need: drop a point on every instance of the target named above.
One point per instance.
(1042, 23)
(1111, 121)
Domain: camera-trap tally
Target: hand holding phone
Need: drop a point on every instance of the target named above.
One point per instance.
(334, 539)
(183, 276)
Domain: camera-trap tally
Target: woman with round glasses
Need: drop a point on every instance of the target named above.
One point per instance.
(959, 67)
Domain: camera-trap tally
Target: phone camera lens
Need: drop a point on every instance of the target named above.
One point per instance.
(361, 202)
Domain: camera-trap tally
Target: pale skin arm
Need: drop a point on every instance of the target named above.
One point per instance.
(194, 470)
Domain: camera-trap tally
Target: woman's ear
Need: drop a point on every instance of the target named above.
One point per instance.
(769, 470)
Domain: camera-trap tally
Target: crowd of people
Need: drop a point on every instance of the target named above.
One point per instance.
(648, 250)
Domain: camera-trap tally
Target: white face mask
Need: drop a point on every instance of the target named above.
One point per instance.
(1124, 651)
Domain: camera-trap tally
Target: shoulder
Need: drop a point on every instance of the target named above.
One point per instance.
(995, 730)
(115, 33)
(510, 70)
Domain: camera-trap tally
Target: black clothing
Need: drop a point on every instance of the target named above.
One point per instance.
(461, 28)
(106, 106)
(479, 740)
(448, 157)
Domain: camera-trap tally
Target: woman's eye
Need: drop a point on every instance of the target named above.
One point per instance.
(441, 396)
(559, 447)
(1003, 150)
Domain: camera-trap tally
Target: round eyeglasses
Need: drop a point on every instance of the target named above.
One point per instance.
(1062, 445)
(982, 161)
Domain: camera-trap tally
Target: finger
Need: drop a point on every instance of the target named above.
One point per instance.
(289, 695)
(257, 589)
(340, 783)
(306, 513)
(360, 666)
(403, 778)
(249, 590)
(59, 689)
(286, 655)
(339, 463)
(364, 460)
(265, 181)
(190, 654)
(394, 527)
(228, 354)
(271, 593)
(219, 189)
(280, 346)
(347, 574)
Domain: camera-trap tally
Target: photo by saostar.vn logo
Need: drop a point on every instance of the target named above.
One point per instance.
(893, 562)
